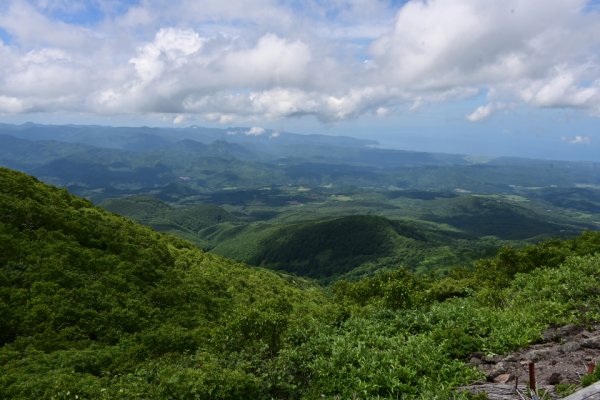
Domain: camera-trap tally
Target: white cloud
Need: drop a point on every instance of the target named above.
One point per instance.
(578, 139)
(32, 28)
(266, 59)
(255, 131)
(170, 49)
(483, 112)
(563, 89)
(456, 42)
(273, 61)
(10, 105)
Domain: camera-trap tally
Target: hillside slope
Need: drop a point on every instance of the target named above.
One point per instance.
(88, 298)
(94, 306)
(331, 247)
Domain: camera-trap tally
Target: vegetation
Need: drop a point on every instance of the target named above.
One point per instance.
(311, 204)
(94, 306)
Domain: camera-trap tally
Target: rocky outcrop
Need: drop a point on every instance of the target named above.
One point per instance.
(563, 358)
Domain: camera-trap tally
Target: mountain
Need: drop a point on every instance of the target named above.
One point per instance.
(486, 216)
(256, 195)
(332, 247)
(185, 222)
(98, 162)
(94, 306)
(89, 298)
(449, 229)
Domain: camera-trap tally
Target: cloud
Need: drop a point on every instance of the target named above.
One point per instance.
(442, 43)
(255, 131)
(566, 88)
(273, 61)
(577, 139)
(267, 59)
(10, 105)
(179, 119)
(171, 48)
(483, 112)
(30, 27)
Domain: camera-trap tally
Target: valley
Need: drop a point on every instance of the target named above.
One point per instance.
(323, 207)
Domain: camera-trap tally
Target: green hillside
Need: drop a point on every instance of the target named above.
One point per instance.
(185, 222)
(94, 306)
(331, 247)
(89, 301)
(483, 216)
(445, 230)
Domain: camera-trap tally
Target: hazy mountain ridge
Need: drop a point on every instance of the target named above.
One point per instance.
(212, 159)
(270, 185)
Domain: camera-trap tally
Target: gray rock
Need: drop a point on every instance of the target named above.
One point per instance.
(499, 369)
(490, 359)
(591, 343)
(539, 355)
(554, 334)
(475, 361)
(549, 335)
(510, 359)
(567, 330)
(554, 379)
(570, 347)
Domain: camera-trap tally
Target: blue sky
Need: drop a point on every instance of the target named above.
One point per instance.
(517, 77)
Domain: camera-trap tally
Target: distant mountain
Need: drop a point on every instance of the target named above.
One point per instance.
(352, 245)
(584, 199)
(482, 216)
(140, 159)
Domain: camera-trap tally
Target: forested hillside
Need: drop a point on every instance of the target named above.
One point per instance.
(94, 306)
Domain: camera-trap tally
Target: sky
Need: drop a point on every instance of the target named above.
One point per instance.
(495, 77)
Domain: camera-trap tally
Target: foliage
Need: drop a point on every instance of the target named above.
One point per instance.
(591, 378)
(94, 306)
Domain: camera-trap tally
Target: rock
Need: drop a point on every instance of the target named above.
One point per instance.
(554, 334)
(554, 379)
(496, 391)
(475, 361)
(498, 369)
(570, 347)
(567, 330)
(539, 355)
(511, 358)
(591, 343)
(586, 334)
(502, 378)
(490, 359)
(549, 335)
